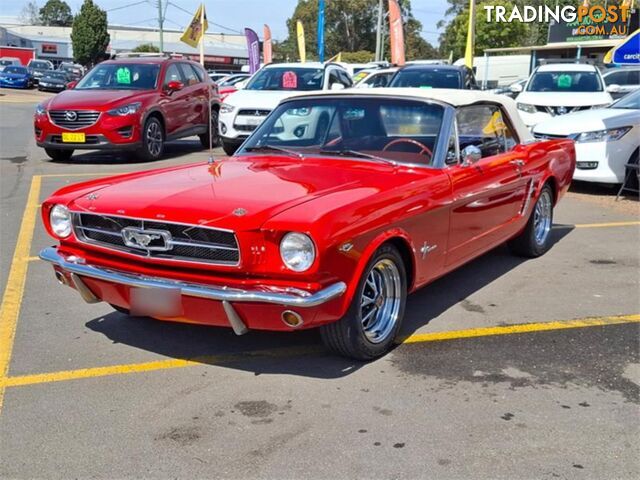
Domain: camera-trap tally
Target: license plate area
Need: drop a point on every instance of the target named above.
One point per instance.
(155, 302)
(69, 137)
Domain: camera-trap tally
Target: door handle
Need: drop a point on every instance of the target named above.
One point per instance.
(517, 163)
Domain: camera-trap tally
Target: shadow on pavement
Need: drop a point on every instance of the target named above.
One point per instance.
(300, 353)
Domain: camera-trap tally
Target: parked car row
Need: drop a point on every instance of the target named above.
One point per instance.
(18, 76)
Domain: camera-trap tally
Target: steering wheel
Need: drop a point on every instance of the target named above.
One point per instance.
(424, 150)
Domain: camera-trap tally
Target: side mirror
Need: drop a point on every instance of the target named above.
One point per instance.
(174, 86)
(71, 85)
(337, 86)
(470, 155)
(516, 88)
(613, 88)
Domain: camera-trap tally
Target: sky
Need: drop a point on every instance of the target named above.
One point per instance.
(232, 14)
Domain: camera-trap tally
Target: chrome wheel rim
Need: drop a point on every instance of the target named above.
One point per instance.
(380, 301)
(542, 218)
(154, 139)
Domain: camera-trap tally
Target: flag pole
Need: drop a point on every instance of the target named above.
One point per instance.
(202, 38)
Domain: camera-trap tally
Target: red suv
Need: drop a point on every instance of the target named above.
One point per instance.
(133, 104)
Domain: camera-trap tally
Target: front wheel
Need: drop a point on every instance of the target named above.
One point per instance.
(58, 155)
(535, 239)
(152, 140)
(375, 315)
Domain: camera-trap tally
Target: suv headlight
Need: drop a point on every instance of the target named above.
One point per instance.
(125, 110)
(297, 251)
(525, 107)
(226, 108)
(610, 135)
(40, 110)
(60, 220)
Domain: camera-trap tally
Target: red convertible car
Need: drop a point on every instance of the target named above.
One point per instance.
(334, 209)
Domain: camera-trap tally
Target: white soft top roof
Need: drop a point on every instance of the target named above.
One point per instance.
(567, 67)
(453, 97)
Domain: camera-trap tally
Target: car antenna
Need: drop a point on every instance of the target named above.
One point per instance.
(211, 159)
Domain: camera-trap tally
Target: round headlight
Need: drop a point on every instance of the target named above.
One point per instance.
(297, 251)
(60, 219)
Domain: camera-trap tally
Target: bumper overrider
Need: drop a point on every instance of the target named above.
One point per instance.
(74, 271)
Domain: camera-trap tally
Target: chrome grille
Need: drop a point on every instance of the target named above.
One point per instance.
(74, 119)
(254, 112)
(187, 242)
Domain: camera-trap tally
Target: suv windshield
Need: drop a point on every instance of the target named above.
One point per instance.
(121, 76)
(379, 129)
(431, 78)
(631, 101)
(12, 69)
(282, 78)
(565, 82)
(58, 75)
(40, 65)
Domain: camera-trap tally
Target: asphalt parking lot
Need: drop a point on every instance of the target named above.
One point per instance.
(508, 368)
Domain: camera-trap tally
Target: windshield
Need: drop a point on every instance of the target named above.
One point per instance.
(41, 65)
(7, 62)
(565, 82)
(12, 69)
(282, 78)
(631, 101)
(387, 129)
(57, 75)
(431, 78)
(120, 76)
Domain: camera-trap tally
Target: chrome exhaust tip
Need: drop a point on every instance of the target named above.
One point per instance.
(292, 319)
(62, 280)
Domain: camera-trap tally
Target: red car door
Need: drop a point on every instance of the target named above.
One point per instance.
(487, 193)
(196, 90)
(174, 104)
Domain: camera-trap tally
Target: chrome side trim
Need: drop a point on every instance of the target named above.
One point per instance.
(78, 265)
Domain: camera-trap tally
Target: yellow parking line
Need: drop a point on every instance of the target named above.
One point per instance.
(605, 225)
(54, 175)
(12, 298)
(39, 378)
(32, 259)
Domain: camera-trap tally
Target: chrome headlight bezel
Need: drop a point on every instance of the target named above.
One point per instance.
(227, 108)
(608, 135)
(297, 251)
(40, 109)
(124, 110)
(60, 221)
(526, 107)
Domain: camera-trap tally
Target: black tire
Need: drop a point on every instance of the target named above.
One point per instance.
(229, 148)
(213, 127)
(152, 140)
(58, 155)
(347, 336)
(527, 243)
(631, 173)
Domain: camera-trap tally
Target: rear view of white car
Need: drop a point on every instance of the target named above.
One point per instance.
(561, 88)
(606, 139)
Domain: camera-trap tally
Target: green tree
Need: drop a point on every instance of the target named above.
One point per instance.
(56, 13)
(361, 56)
(146, 47)
(350, 26)
(89, 35)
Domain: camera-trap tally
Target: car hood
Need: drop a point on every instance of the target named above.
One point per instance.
(567, 99)
(14, 76)
(92, 99)
(238, 193)
(263, 99)
(589, 121)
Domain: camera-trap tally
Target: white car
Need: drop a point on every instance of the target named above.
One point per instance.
(378, 78)
(561, 88)
(244, 110)
(621, 81)
(606, 139)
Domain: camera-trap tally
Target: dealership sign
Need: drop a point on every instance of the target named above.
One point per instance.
(586, 29)
(628, 53)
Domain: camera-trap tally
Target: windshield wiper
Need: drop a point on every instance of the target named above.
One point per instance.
(271, 148)
(357, 154)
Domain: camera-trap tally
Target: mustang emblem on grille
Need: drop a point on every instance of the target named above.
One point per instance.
(71, 115)
(156, 240)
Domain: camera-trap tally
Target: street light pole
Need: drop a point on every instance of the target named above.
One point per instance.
(379, 33)
(160, 22)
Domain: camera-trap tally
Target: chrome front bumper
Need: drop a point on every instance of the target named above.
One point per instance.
(78, 267)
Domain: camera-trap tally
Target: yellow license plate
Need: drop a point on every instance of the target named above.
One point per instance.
(73, 137)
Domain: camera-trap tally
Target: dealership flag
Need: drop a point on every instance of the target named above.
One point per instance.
(267, 47)
(471, 32)
(197, 27)
(396, 34)
(253, 45)
(301, 47)
(336, 58)
(321, 30)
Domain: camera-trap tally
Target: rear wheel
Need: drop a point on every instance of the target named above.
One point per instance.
(213, 128)
(152, 140)
(375, 315)
(535, 239)
(229, 148)
(58, 155)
